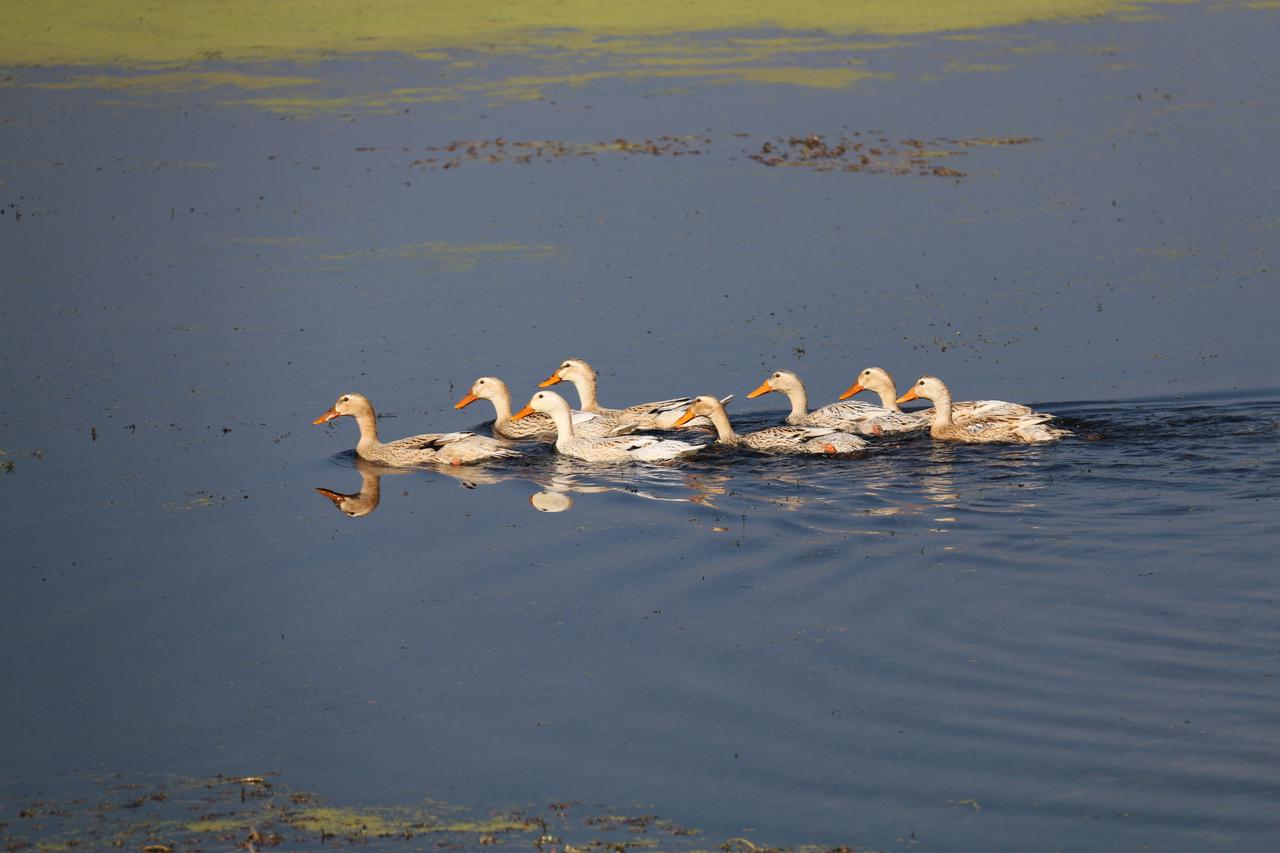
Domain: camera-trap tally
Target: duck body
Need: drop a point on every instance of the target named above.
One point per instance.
(660, 414)
(803, 439)
(894, 420)
(999, 429)
(837, 416)
(996, 426)
(450, 448)
(853, 416)
(538, 426)
(628, 448)
(814, 440)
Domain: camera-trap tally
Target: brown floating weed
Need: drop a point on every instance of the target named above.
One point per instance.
(855, 151)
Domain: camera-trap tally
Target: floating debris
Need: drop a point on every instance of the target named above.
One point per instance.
(855, 151)
(859, 152)
(502, 150)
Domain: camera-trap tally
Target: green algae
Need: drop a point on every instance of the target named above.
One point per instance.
(388, 822)
(178, 81)
(261, 812)
(532, 87)
(806, 43)
(974, 67)
(147, 49)
(136, 32)
(342, 821)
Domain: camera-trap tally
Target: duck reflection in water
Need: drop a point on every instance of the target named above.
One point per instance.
(939, 484)
(563, 479)
(1005, 482)
(365, 501)
(559, 479)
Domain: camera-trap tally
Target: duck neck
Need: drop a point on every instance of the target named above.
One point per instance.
(587, 393)
(942, 410)
(724, 429)
(889, 397)
(368, 423)
(799, 400)
(564, 425)
(501, 406)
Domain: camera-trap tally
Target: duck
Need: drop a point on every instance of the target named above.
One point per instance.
(841, 416)
(877, 379)
(537, 426)
(627, 448)
(1016, 428)
(778, 439)
(660, 414)
(453, 448)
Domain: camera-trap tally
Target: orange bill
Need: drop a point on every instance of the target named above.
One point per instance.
(685, 418)
(333, 496)
(327, 416)
(523, 413)
(763, 389)
(465, 401)
(910, 395)
(853, 389)
(550, 380)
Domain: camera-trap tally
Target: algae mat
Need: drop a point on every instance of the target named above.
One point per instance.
(131, 33)
(175, 814)
(299, 58)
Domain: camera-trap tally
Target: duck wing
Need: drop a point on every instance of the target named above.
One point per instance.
(987, 408)
(428, 441)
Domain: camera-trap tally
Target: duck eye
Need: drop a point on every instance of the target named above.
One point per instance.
(346, 399)
(777, 376)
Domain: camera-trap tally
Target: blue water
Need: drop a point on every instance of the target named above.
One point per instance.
(1080, 638)
(1071, 646)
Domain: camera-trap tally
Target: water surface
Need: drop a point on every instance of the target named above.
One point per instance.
(1069, 646)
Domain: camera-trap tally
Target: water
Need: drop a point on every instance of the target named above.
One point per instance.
(1068, 646)
(1077, 638)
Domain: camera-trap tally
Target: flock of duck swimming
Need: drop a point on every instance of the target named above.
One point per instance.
(597, 434)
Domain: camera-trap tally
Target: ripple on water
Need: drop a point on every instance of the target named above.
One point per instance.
(1053, 629)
